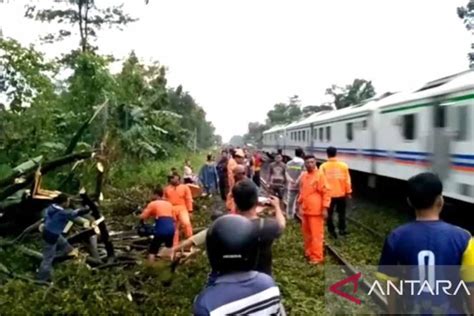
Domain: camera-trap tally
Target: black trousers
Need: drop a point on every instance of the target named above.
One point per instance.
(337, 205)
(223, 188)
(256, 178)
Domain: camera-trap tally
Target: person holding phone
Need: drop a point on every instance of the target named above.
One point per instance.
(245, 195)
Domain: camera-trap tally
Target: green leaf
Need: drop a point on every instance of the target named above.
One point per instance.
(54, 146)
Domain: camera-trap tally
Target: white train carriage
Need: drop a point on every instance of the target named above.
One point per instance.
(274, 138)
(430, 129)
(400, 135)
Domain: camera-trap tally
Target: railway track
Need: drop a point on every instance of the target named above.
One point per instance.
(378, 298)
(365, 227)
(349, 269)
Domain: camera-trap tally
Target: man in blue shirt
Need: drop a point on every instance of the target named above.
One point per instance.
(238, 288)
(427, 249)
(55, 220)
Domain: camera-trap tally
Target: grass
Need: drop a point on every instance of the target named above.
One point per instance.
(140, 289)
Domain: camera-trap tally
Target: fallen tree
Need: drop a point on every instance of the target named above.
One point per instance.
(48, 166)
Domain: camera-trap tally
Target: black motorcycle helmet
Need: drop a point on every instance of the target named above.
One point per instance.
(231, 243)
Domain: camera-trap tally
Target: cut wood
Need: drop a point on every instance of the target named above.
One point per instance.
(46, 167)
(104, 233)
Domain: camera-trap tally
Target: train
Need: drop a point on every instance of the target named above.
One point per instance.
(396, 135)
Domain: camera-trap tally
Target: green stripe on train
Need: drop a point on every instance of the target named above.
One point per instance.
(419, 105)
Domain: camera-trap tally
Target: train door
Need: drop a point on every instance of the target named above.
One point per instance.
(459, 179)
(439, 142)
(371, 120)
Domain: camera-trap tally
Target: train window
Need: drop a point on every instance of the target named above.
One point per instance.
(299, 136)
(409, 126)
(440, 116)
(462, 119)
(321, 134)
(328, 133)
(364, 124)
(304, 136)
(315, 133)
(350, 131)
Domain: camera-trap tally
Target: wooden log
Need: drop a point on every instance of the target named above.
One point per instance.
(82, 236)
(30, 252)
(31, 165)
(104, 233)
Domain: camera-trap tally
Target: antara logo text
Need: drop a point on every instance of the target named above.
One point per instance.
(417, 287)
(402, 287)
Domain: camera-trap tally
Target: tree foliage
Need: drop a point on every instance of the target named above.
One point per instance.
(467, 15)
(85, 15)
(23, 74)
(311, 109)
(351, 94)
(237, 141)
(284, 113)
(145, 118)
(255, 134)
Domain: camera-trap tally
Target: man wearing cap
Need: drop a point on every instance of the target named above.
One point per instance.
(237, 159)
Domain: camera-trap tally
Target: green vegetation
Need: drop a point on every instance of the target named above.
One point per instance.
(466, 14)
(139, 127)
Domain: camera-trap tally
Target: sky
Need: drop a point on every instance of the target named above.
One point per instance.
(238, 58)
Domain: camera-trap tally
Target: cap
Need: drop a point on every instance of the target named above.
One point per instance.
(240, 153)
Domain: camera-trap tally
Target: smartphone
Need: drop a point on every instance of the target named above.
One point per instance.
(263, 200)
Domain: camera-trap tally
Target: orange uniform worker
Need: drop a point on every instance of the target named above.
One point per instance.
(339, 179)
(239, 175)
(165, 221)
(314, 200)
(179, 195)
(237, 158)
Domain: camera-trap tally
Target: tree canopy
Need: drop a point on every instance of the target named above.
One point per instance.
(351, 94)
(141, 115)
(466, 14)
(83, 18)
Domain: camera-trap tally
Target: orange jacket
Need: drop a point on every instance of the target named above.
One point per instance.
(180, 196)
(230, 172)
(157, 209)
(338, 177)
(257, 162)
(314, 193)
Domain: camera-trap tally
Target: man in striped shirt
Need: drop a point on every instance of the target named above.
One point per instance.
(238, 289)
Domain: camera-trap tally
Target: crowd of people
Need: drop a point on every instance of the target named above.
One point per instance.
(239, 239)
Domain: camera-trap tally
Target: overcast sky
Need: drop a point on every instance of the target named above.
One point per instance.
(238, 58)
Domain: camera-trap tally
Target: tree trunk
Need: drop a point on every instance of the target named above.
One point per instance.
(86, 26)
(104, 233)
(80, 4)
